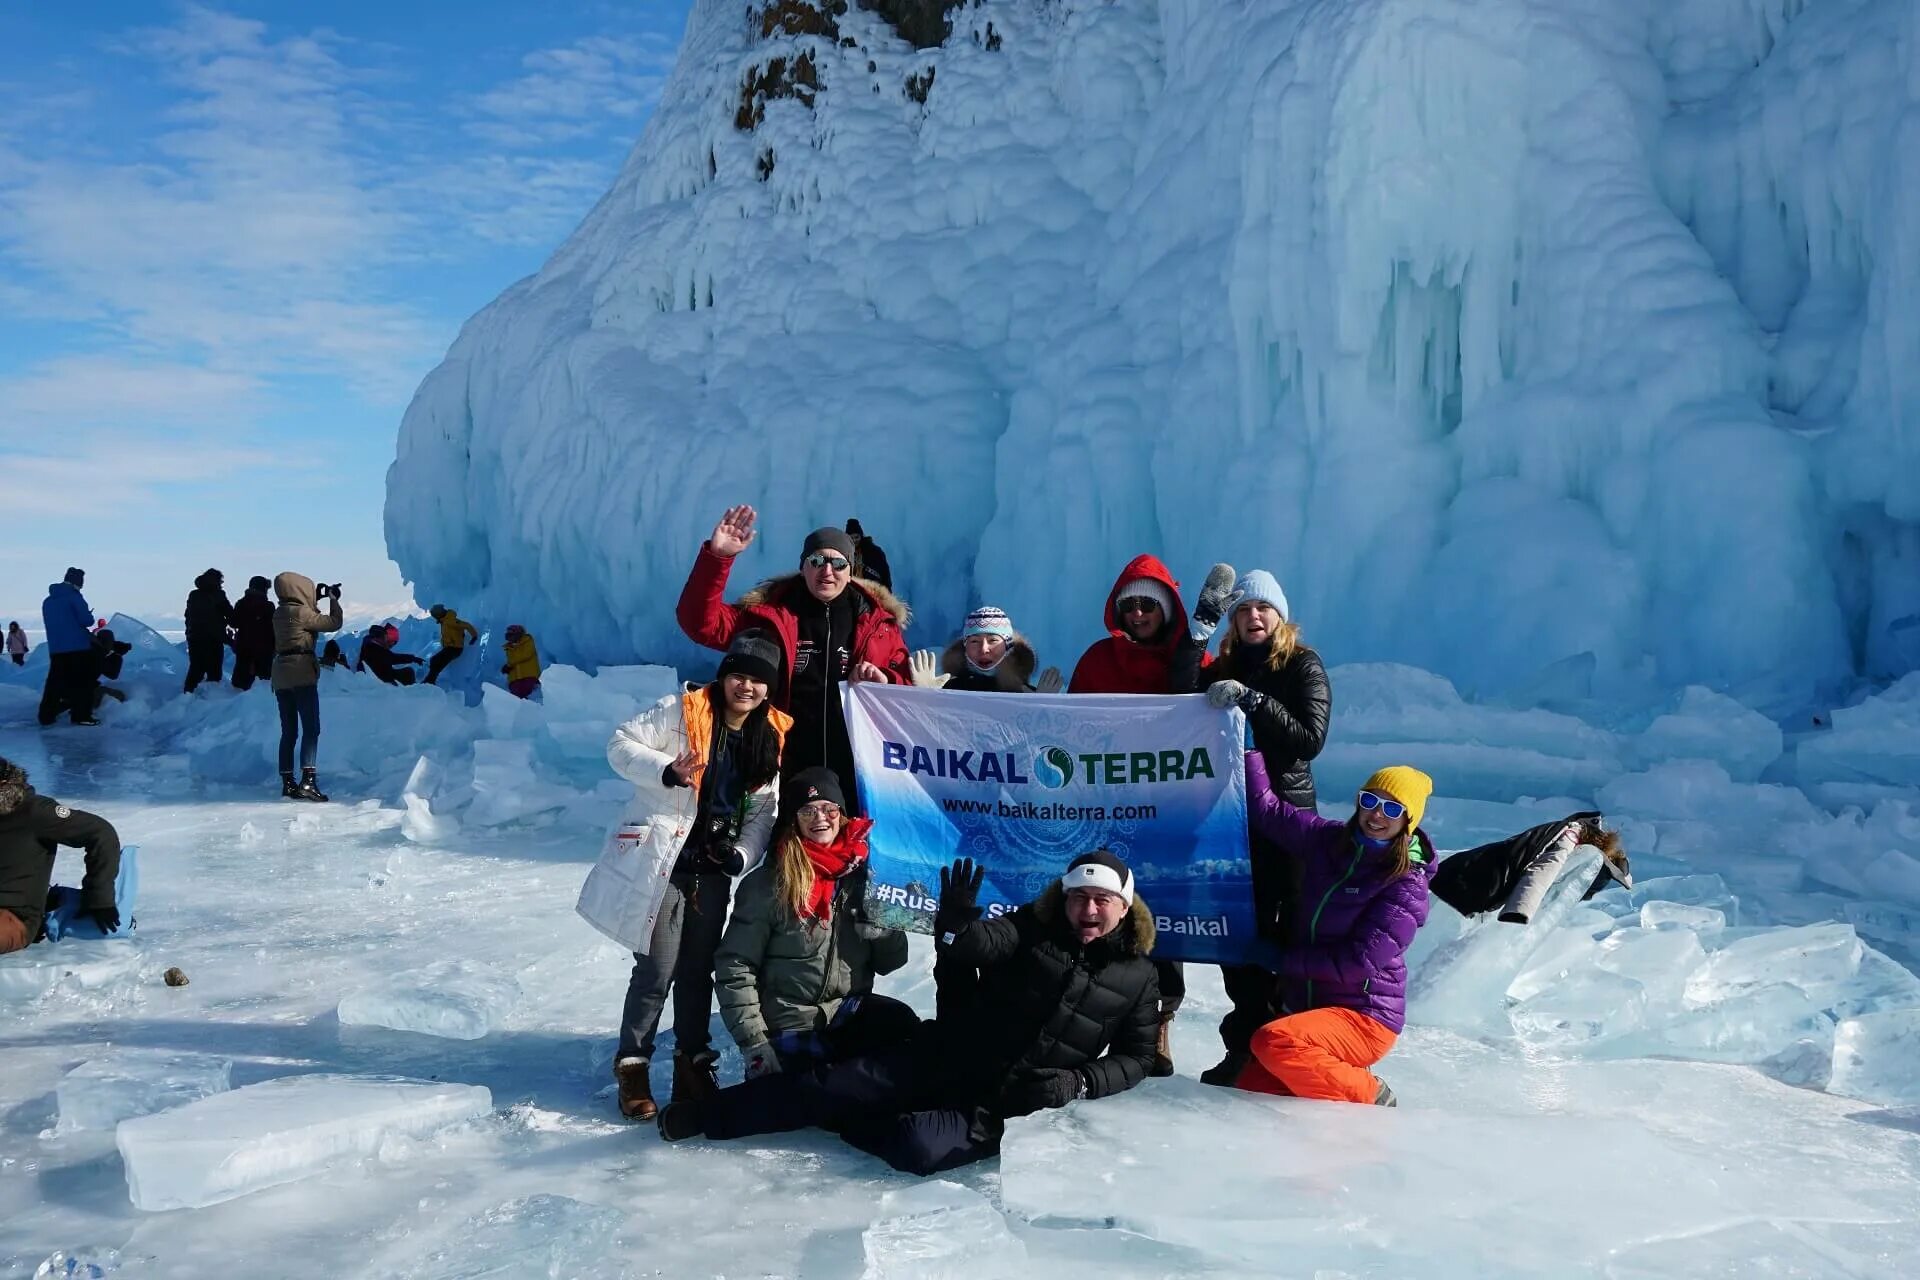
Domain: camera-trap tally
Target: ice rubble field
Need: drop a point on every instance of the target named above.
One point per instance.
(391, 1059)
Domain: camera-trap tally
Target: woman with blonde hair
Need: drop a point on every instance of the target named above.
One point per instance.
(795, 969)
(1270, 674)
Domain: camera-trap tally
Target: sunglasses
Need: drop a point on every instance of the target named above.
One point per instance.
(821, 560)
(1138, 604)
(823, 809)
(1392, 808)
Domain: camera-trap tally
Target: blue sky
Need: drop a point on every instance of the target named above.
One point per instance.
(233, 239)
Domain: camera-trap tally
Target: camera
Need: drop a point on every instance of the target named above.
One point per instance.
(322, 591)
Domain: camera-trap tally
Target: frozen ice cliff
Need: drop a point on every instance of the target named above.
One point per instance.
(1508, 333)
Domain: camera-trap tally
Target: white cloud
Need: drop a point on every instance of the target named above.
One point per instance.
(575, 91)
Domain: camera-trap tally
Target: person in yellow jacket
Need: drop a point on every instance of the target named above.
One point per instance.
(522, 667)
(455, 631)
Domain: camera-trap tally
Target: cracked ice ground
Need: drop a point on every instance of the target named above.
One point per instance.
(1500, 1161)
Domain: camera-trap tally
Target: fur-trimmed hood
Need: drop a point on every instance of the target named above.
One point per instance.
(1013, 675)
(774, 591)
(1134, 937)
(15, 794)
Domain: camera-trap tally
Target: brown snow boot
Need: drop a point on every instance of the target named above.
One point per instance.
(693, 1076)
(1163, 1049)
(636, 1088)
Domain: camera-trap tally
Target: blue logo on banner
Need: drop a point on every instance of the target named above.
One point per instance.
(1053, 767)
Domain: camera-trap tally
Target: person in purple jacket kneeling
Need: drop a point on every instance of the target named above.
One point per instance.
(1343, 979)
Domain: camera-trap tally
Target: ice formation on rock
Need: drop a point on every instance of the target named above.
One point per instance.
(1489, 306)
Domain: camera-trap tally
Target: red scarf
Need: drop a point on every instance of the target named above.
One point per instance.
(833, 861)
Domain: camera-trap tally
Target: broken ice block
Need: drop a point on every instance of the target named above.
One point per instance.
(100, 1093)
(1810, 957)
(1463, 984)
(82, 962)
(1749, 1028)
(940, 1231)
(1660, 960)
(1581, 1011)
(453, 999)
(1661, 914)
(1876, 1058)
(1565, 952)
(231, 1144)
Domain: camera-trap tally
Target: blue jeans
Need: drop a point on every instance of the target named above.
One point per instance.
(299, 716)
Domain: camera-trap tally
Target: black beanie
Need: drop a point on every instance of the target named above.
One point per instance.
(755, 654)
(827, 539)
(257, 583)
(808, 785)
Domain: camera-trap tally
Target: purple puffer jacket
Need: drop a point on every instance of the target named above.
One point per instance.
(1352, 922)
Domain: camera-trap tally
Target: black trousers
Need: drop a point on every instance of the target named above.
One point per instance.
(1173, 985)
(440, 662)
(204, 660)
(69, 687)
(247, 669)
(905, 1105)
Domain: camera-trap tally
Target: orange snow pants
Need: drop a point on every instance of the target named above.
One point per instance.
(1323, 1053)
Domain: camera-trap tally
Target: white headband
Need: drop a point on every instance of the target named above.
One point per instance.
(1098, 875)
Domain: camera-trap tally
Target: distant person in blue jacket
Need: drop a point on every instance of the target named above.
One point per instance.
(68, 619)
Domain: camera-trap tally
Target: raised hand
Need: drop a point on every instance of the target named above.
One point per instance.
(959, 897)
(924, 667)
(868, 672)
(1216, 602)
(1050, 681)
(733, 533)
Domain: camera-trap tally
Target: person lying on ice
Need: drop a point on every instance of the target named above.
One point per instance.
(32, 827)
(1512, 876)
(1343, 971)
(1065, 1009)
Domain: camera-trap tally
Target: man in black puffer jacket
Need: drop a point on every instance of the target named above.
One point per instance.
(1067, 1007)
(209, 614)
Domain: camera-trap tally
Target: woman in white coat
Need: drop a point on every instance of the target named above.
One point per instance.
(704, 767)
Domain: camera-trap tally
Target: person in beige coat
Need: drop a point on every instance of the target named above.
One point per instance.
(296, 677)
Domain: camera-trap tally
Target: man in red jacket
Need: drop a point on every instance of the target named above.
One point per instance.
(1145, 622)
(832, 627)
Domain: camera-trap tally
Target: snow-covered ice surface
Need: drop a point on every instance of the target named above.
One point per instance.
(457, 999)
(1495, 305)
(1713, 1074)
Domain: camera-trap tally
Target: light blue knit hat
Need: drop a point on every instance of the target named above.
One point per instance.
(988, 621)
(1258, 584)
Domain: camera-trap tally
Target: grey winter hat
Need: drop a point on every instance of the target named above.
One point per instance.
(754, 654)
(827, 539)
(1100, 869)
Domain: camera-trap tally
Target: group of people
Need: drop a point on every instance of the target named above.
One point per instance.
(81, 653)
(276, 640)
(748, 780)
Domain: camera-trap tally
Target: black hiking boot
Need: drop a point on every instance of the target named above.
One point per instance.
(1226, 1072)
(1385, 1097)
(289, 789)
(310, 787)
(694, 1076)
(683, 1120)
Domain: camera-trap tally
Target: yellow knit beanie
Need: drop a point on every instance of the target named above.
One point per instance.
(1408, 785)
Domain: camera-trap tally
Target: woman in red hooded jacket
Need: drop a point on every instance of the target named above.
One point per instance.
(1146, 622)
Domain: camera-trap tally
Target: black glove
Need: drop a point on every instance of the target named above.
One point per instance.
(1215, 602)
(719, 859)
(108, 918)
(1040, 1090)
(959, 889)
